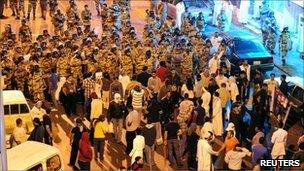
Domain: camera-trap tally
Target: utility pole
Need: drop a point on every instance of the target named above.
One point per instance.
(2, 127)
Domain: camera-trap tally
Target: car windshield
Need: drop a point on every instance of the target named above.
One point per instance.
(243, 46)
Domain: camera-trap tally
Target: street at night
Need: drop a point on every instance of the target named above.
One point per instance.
(151, 85)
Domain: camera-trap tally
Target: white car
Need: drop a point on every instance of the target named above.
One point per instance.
(296, 97)
(33, 155)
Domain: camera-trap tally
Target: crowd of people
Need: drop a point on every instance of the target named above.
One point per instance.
(169, 87)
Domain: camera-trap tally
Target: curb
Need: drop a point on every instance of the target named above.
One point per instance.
(281, 69)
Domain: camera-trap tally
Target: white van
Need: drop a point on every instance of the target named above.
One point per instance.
(16, 106)
(33, 155)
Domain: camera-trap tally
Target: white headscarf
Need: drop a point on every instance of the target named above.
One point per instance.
(117, 98)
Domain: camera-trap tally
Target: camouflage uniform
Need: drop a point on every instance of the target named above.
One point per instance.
(98, 5)
(14, 7)
(72, 17)
(264, 27)
(36, 84)
(58, 22)
(221, 20)
(284, 41)
(21, 75)
(62, 66)
(204, 57)
(46, 65)
(21, 8)
(109, 64)
(25, 34)
(86, 17)
(176, 61)
(187, 65)
(75, 65)
(271, 41)
(200, 22)
(43, 6)
(126, 63)
(52, 4)
(31, 6)
(7, 34)
(8, 68)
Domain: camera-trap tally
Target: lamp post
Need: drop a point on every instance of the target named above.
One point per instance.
(2, 128)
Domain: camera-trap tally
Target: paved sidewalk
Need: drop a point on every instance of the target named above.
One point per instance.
(294, 64)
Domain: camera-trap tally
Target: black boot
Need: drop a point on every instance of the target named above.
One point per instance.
(283, 62)
(28, 16)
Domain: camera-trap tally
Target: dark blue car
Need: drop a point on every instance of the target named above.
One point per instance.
(250, 48)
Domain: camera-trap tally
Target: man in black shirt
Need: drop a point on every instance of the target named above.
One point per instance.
(283, 86)
(143, 77)
(149, 132)
(199, 112)
(172, 131)
(47, 124)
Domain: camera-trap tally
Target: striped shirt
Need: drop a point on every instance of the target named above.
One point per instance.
(137, 98)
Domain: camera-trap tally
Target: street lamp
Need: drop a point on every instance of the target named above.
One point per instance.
(2, 128)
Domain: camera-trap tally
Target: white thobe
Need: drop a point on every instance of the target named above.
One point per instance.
(217, 120)
(138, 147)
(278, 139)
(234, 91)
(213, 64)
(221, 79)
(96, 108)
(204, 153)
(216, 41)
(247, 70)
(180, 9)
(206, 97)
(208, 126)
(244, 10)
(124, 80)
(216, 11)
(228, 7)
(256, 10)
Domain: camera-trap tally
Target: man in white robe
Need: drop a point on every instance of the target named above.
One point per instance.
(205, 152)
(228, 7)
(206, 97)
(180, 10)
(216, 11)
(247, 68)
(217, 117)
(244, 11)
(278, 139)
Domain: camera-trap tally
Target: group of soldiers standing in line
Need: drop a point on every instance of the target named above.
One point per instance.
(76, 51)
(18, 7)
(270, 31)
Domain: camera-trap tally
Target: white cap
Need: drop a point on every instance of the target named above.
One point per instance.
(230, 127)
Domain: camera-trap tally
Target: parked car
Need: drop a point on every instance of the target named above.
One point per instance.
(296, 99)
(247, 47)
(32, 155)
(15, 106)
